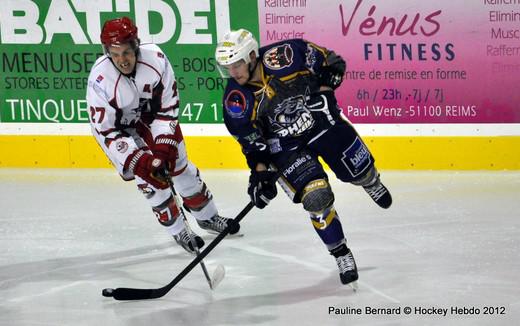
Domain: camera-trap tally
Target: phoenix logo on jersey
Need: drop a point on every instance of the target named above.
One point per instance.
(292, 117)
(279, 57)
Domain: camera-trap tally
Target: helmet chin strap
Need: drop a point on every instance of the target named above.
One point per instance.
(252, 70)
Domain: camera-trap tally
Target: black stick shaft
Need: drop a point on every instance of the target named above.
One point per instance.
(142, 294)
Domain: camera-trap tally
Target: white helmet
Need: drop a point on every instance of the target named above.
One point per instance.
(233, 47)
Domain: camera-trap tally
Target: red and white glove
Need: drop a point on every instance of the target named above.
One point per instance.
(165, 148)
(149, 167)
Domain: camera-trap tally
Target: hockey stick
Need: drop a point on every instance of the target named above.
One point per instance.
(218, 274)
(144, 294)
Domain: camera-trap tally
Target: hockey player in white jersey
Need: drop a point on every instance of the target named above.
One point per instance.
(134, 106)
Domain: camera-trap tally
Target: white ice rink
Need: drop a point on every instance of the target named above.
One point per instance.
(451, 239)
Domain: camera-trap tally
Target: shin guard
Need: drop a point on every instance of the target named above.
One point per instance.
(328, 227)
(168, 212)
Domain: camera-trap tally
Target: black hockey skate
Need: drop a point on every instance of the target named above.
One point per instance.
(378, 192)
(183, 238)
(346, 264)
(217, 224)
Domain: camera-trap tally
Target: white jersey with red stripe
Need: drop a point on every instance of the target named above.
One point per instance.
(127, 113)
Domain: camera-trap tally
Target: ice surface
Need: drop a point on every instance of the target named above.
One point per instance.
(451, 239)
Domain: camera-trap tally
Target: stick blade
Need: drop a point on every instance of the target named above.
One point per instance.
(354, 285)
(218, 276)
(135, 294)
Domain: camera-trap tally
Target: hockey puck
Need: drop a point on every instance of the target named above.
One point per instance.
(108, 292)
(234, 227)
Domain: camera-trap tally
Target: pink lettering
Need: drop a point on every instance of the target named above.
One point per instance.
(344, 29)
(392, 26)
(432, 21)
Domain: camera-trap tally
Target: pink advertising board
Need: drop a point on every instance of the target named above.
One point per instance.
(444, 61)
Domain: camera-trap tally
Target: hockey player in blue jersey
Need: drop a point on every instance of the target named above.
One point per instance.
(279, 104)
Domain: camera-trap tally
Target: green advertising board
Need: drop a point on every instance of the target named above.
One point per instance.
(49, 46)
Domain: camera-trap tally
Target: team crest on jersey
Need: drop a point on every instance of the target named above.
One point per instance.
(122, 146)
(147, 88)
(235, 104)
(99, 79)
(292, 117)
(279, 57)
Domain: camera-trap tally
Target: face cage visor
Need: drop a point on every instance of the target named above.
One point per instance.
(226, 56)
(224, 71)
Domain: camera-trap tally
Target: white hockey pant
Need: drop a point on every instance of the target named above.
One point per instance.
(193, 192)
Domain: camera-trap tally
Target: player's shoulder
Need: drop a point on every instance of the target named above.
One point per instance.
(101, 65)
(233, 86)
(150, 48)
(151, 54)
(283, 54)
(238, 101)
(103, 74)
(285, 45)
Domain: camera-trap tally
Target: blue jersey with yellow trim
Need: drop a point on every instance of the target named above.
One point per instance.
(278, 112)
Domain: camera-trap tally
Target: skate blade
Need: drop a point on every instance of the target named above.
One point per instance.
(354, 286)
(229, 236)
(236, 235)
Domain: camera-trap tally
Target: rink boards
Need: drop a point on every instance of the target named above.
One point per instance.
(439, 90)
(398, 147)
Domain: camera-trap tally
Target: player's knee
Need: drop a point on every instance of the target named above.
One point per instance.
(167, 212)
(368, 178)
(317, 196)
(199, 200)
(189, 181)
